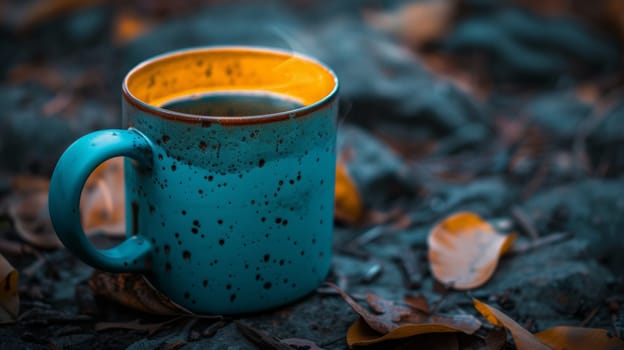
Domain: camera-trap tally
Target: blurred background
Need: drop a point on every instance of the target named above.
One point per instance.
(430, 77)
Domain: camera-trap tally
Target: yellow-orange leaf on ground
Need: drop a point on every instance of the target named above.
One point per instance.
(9, 299)
(523, 339)
(392, 320)
(464, 250)
(416, 23)
(578, 338)
(360, 334)
(132, 290)
(348, 203)
(128, 26)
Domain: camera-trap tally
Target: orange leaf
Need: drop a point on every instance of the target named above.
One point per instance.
(9, 299)
(348, 204)
(416, 23)
(464, 250)
(361, 334)
(524, 339)
(573, 338)
(129, 26)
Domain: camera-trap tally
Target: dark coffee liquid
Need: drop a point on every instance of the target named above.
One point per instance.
(232, 104)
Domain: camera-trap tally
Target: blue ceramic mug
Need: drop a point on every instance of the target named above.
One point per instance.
(229, 195)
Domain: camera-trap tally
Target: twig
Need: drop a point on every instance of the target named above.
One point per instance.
(262, 339)
(525, 223)
(540, 242)
(211, 330)
(589, 317)
(408, 261)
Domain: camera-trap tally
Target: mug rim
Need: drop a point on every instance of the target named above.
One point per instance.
(247, 119)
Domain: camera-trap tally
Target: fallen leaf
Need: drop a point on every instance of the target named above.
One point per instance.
(102, 203)
(464, 250)
(9, 299)
(128, 26)
(27, 207)
(348, 203)
(578, 338)
(132, 290)
(523, 339)
(416, 23)
(397, 321)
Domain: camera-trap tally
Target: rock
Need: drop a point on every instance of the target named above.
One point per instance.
(559, 113)
(527, 47)
(377, 171)
(551, 283)
(606, 142)
(31, 141)
(591, 210)
(487, 197)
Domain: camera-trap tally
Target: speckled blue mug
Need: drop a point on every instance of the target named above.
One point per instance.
(224, 214)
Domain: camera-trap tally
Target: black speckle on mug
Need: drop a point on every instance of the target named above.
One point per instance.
(285, 222)
(173, 167)
(278, 220)
(302, 253)
(186, 255)
(220, 222)
(228, 287)
(267, 285)
(232, 297)
(187, 295)
(177, 235)
(160, 156)
(266, 257)
(152, 208)
(203, 145)
(196, 223)
(194, 230)
(261, 163)
(205, 283)
(258, 277)
(165, 138)
(221, 242)
(168, 267)
(166, 249)
(183, 212)
(281, 262)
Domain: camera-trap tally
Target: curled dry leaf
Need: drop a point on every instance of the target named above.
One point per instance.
(416, 23)
(101, 205)
(578, 338)
(134, 291)
(390, 320)
(348, 203)
(9, 299)
(523, 339)
(464, 250)
(28, 208)
(102, 201)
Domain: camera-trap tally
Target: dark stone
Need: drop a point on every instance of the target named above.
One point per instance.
(529, 47)
(487, 197)
(551, 283)
(377, 171)
(606, 142)
(591, 210)
(32, 142)
(558, 113)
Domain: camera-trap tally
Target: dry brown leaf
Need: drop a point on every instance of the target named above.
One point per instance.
(9, 299)
(395, 321)
(523, 339)
(102, 201)
(416, 23)
(348, 203)
(464, 250)
(579, 338)
(28, 208)
(134, 291)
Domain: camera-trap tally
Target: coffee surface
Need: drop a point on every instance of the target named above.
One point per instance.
(232, 104)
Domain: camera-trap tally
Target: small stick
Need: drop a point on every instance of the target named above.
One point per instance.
(589, 317)
(542, 241)
(409, 265)
(523, 220)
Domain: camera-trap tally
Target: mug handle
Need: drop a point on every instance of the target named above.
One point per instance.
(69, 176)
